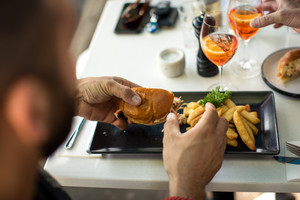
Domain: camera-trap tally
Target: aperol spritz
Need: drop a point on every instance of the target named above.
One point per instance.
(242, 12)
(218, 42)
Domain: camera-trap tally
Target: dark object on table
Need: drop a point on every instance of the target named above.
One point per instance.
(148, 139)
(204, 66)
(133, 13)
(162, 9)
(125, 26)
(285, 196)
(167, 19)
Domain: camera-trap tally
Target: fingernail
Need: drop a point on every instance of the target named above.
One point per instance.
(170, 116)
(206, 105)
(136, 99)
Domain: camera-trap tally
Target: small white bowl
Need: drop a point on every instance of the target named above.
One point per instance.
(171, 62)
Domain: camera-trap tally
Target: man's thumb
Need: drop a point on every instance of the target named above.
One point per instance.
(172, 125)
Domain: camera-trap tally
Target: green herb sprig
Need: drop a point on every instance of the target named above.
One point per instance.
(215, 97)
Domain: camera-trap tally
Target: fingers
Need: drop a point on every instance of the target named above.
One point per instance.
(221, 129)
(121, 89)
(171, 127)
(125, 82)
(265, 20)
(286, 17)
(277, 25)
(120, 123)
(222, 125)
(210, 116)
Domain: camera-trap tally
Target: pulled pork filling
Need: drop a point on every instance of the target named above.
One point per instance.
(291, 69)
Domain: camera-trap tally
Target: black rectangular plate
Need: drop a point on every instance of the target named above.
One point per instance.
(148, 139)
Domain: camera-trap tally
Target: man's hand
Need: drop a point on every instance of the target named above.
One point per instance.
(281, 12)
(192, 159)
(98, 98)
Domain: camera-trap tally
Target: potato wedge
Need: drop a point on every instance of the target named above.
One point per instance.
(242, 130)
(248, 130)
(220, 111)
(195, 120)
(231, 125)
(233, 143)
(252, 126)
(247, 108)
(253, 113)
(231, 134)
(228, 115)
(229, 103)
(198, 111)
(224, 108)
(250, 117)
(188, 128)
(193, 105)
(187, 111)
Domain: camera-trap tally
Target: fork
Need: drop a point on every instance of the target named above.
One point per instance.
(293, 148)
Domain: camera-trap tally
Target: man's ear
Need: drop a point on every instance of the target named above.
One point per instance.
(27, 111)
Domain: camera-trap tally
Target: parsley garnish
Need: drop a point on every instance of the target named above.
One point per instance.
(216, 97)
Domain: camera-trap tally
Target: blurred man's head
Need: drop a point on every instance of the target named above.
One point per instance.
(36, 73)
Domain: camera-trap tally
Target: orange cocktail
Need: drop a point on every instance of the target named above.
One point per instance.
(219, 48)
(242, 15)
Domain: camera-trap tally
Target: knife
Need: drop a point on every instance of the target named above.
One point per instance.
(285, 159)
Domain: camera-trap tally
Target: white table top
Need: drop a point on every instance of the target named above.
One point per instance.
(134, 57)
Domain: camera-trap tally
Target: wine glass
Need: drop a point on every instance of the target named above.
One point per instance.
(218, 42)
(242, 12)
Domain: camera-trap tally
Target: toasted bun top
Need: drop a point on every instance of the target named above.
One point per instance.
(156, 104)
(288, 57)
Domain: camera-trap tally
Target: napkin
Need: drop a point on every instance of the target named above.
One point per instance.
(82, 141)
(292, 171)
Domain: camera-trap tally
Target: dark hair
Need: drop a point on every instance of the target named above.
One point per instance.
(27, 48)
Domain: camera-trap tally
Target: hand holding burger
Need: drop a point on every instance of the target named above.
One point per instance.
(98, 98)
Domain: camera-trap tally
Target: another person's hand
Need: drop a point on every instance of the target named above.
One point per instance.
(98, 98)
(281, 12)
(192, 159)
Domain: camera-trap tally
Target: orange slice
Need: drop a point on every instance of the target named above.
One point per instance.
(211, 47)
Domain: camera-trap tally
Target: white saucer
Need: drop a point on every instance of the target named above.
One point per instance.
(269, 70)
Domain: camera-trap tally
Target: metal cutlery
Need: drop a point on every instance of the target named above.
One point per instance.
(71, 140)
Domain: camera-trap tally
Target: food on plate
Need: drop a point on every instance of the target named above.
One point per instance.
(289, 66)
(193, 114)
(241, 119)
(233, 143)
(231, 133)
(156, 105)
(215, 97)
(243, 130)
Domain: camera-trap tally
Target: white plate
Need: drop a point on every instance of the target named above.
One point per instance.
(269, 70)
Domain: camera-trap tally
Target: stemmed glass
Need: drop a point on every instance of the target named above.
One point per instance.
(218, 42)
(242, 12)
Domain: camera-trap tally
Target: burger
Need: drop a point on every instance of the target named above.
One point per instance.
(156, 105)
(289, 66)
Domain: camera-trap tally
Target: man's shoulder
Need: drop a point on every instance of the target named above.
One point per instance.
(48, 188)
